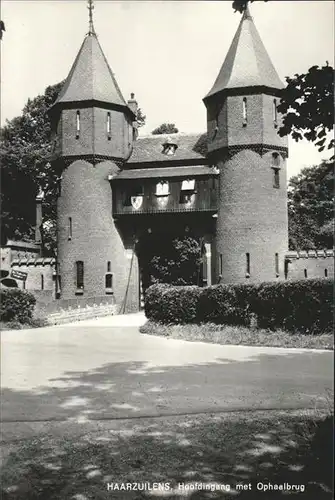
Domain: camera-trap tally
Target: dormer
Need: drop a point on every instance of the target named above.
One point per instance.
(169, 147)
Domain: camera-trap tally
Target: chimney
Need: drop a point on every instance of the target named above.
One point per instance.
(39, 217)
(133, 105)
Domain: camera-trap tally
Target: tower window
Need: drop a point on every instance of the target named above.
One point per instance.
(247, 267)
(326, 273)
(305, 273)
(70, 229)
(276, 159)
(77, 124)
(109, 282)
(80, 275)
(276, 180)
(275, 116)
(162, 188)
(221, 265)
(244, 111)
(277, 265)
(42, 282)
(109, 125)
(109, 267)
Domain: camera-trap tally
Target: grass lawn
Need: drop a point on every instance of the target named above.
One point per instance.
(73, 461)
(237, 335)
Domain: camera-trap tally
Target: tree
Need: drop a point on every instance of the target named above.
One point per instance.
(307, 104)
(165, 128)
(311, 207)
(174, 260)
(25, 152)
(140, 118)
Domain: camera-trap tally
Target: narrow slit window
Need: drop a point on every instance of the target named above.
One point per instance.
(77, 124)
(326, 273)
(305, 273)
(109, 125)
(247, 267)
(244, 111)
(109, 266)
(276, 180)
(42, 282)
(221, 265)
(109, 282)
(80, 275)
(277, 265)
(70, 229)
(275, 115)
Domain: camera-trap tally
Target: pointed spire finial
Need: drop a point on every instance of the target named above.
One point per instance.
(90, 7)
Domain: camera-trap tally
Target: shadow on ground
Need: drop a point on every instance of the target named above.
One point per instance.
(76, 458)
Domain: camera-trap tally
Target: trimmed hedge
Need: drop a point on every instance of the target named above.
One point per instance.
(304, 305)
(172, 304)
(16, 305)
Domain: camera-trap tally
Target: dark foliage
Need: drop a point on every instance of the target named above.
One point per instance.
(241, 5)
(16, 305)
(25, 153)
(307, 104)
(305, 306)
(311, 208)
(172, 304)
(165, 128)
(172, 259)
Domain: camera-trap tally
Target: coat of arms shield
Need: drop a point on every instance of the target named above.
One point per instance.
(136, 201)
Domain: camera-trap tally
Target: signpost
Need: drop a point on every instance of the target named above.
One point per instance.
(19, 275)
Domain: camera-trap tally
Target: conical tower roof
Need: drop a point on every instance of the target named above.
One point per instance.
(90, 77)
(247, 63)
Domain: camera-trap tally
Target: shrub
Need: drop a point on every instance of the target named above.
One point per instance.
(305, 306)
(16, 305)
(172, 304)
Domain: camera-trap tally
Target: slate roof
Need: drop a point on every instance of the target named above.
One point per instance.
(165, 172)
(150, 148)
(247, 63)
(91, 77)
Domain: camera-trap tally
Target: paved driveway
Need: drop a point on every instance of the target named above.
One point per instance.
(106, 369)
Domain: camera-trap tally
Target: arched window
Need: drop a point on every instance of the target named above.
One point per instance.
(244, 111)
(80, 275)
(77, 124)
(274, 111)
(109, 125)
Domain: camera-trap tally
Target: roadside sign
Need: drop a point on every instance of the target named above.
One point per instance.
(19, 275)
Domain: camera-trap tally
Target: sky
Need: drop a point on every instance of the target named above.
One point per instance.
(167, 52)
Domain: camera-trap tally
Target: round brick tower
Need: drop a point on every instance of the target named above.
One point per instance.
(93, 134)
(242, 124)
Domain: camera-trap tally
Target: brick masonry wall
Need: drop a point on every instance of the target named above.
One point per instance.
(252, 218)
(34, 279)
(86, 197)
(93, 136)
(312, 264)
